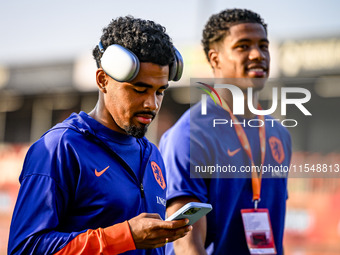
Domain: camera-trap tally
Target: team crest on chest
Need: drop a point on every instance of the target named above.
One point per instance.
(277, 149)
(157, 172)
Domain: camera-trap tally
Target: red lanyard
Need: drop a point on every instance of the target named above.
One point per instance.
(255, 177)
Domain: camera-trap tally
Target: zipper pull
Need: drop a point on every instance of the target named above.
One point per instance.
(142, 190)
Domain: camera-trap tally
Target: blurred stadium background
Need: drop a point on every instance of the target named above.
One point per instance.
(41, 85)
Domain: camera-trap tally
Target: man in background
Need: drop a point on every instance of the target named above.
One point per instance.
(236, 45)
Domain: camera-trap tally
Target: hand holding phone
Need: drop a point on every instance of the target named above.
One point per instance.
(192, 211)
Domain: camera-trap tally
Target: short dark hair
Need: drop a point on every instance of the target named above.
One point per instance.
(145, 38)
(219, 24)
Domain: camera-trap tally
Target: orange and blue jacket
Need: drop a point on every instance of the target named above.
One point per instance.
(77, 192)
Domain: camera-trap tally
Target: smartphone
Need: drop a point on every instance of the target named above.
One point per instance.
(192, 211)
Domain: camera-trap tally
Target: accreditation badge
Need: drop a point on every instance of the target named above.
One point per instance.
(258, 231)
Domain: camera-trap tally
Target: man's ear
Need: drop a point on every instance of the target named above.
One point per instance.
(101, 79)
(214, 58)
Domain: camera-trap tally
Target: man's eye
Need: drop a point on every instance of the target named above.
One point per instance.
(140, 91)
(160, 92)
(264, 46)
(242, 46)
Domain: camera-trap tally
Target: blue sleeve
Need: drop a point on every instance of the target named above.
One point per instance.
(42, 200)
(36, 217)
(49, 184)
(175, 149)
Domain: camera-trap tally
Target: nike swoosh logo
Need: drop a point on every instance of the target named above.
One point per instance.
(232, 153)
(101, 172)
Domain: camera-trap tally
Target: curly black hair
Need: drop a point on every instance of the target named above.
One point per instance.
(219, 24)
(145, 38)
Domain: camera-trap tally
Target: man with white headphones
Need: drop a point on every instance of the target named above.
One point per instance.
(94, 184)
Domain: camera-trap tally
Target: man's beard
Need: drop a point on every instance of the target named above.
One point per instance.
(135, 131)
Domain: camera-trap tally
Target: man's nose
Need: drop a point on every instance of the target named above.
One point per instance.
(151, 102)
(257, 54)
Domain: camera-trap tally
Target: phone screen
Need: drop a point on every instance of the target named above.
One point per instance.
(192, 211)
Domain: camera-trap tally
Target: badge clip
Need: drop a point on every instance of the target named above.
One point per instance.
(256, 201)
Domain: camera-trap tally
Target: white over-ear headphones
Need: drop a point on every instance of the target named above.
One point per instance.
(123, 65)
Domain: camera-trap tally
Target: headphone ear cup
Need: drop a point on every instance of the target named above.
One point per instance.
(120, 63)
(176, 68)
(172, 70)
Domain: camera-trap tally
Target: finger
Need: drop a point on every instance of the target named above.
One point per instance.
(179, 231)
(169, 239)
(159, 224)
(152, 216)
(156, 243)
(174, 238)
(174, 224)
(162, 234)
(172, 235)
